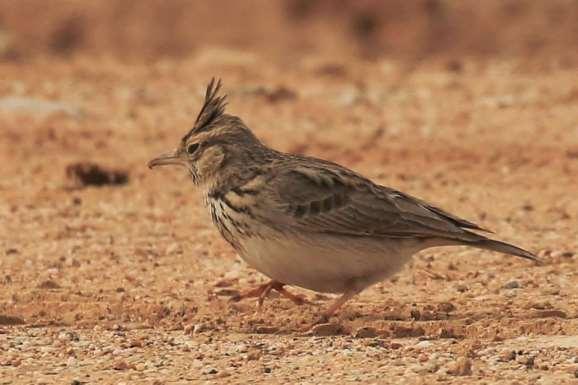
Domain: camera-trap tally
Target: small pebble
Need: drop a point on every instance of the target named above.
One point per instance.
(551, 290)
(174, 248)
(195, 328)
(228, 293)
(462, 367)
(447, 307)
(68, 336)
(423, 344)
(554, 313)
(254, 355)
(49, 285)
(562, 254)
(226, 282)
(512, 285)
(266, 329)
(527, 361)
(461, 288)
(328, 329)
(447, 332)
(541, 305)
(122, 365)
(510, 294)
(365, 332)
(430, 367)
(507, 355)
(209, 370)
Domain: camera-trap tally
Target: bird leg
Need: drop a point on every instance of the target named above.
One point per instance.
(262, 291)
(296, 299)
(336, 305)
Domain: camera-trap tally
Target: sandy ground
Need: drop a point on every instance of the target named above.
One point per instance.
(130, 283)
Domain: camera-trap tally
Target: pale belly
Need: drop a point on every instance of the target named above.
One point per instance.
(328, 264)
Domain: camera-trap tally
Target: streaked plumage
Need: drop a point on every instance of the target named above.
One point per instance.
(309, 222)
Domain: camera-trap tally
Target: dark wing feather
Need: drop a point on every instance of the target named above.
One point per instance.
(460, 222)
(342, 202)
(334, 200)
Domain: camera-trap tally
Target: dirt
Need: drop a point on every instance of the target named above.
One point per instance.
(91, 174)
(130, 283)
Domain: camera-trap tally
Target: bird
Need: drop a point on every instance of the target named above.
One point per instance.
(307, 222)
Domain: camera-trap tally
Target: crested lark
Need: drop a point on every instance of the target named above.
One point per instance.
(304, 221)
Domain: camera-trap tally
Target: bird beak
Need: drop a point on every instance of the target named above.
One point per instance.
(168, 158)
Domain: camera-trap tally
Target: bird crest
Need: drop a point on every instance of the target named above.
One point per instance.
(213, 108)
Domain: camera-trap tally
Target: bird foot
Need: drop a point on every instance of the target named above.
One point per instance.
(262, 291)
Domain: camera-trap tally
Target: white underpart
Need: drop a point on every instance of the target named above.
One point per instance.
(327, 263)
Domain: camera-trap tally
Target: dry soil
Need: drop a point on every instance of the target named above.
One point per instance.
(129, 282)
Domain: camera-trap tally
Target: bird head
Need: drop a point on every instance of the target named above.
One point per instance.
(217, 144)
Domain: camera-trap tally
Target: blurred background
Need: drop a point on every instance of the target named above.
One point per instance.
(283, 29)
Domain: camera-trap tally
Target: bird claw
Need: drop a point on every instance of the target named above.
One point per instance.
(262, 291)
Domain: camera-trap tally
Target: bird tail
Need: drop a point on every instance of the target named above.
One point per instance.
(503, 247)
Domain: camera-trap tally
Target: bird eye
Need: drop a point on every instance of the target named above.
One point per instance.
(191, 148)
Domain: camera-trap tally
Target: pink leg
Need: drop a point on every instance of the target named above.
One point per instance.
(262, 291)
(339, 302)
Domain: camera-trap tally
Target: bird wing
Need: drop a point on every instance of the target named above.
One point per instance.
(316, 198)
